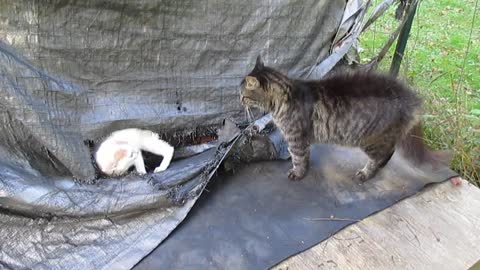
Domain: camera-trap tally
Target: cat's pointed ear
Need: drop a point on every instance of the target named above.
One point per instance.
(252, 82)
(119, 154)
(259, 64)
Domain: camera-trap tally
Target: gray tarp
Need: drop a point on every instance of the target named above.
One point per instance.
(73, 71)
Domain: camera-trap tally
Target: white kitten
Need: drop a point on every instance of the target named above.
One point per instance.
(122, 150)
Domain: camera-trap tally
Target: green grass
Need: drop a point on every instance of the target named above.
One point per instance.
(437, 64)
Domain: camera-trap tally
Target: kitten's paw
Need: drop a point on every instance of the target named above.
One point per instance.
(295, 175)
(141, 172)
(159, 169)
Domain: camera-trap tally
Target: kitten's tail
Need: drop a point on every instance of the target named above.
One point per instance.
(413, 147)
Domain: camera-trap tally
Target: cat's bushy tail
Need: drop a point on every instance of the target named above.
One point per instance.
(414, 149)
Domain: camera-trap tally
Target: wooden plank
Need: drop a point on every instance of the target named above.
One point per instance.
(438, 228)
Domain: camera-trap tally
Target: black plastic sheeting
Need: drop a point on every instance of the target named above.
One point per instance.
(257, 217)
(71, 72)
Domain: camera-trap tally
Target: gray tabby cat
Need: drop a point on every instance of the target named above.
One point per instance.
(374, 112)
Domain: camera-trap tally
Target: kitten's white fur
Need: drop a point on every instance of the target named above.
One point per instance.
(122, 150)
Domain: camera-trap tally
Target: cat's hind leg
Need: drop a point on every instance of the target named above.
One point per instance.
(379, 154)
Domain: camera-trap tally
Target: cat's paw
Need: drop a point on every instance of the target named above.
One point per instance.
(159, 169)
(141, 172)
(295, 175)
(250, 131)
(361, 176)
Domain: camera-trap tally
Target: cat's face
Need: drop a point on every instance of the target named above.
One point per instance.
(262, 88)
(115, 159)
(123, 164)
(252, 94)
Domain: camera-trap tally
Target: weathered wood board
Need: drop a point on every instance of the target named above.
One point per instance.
(439, 228)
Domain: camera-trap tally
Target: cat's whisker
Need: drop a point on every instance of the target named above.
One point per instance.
(250, 115)
(247, 116)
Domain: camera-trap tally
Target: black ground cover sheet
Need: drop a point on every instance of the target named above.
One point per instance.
(257, 217)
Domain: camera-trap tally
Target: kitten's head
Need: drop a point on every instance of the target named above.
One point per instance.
(264, 87)
(114, 158)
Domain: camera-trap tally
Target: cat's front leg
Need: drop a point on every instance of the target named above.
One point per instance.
(150, 142)
(167, 158)
(300, 153)
(140, 164)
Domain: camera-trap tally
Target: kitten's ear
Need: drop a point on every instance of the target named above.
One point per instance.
(119, 154)
(259, 64)
(252, 82)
